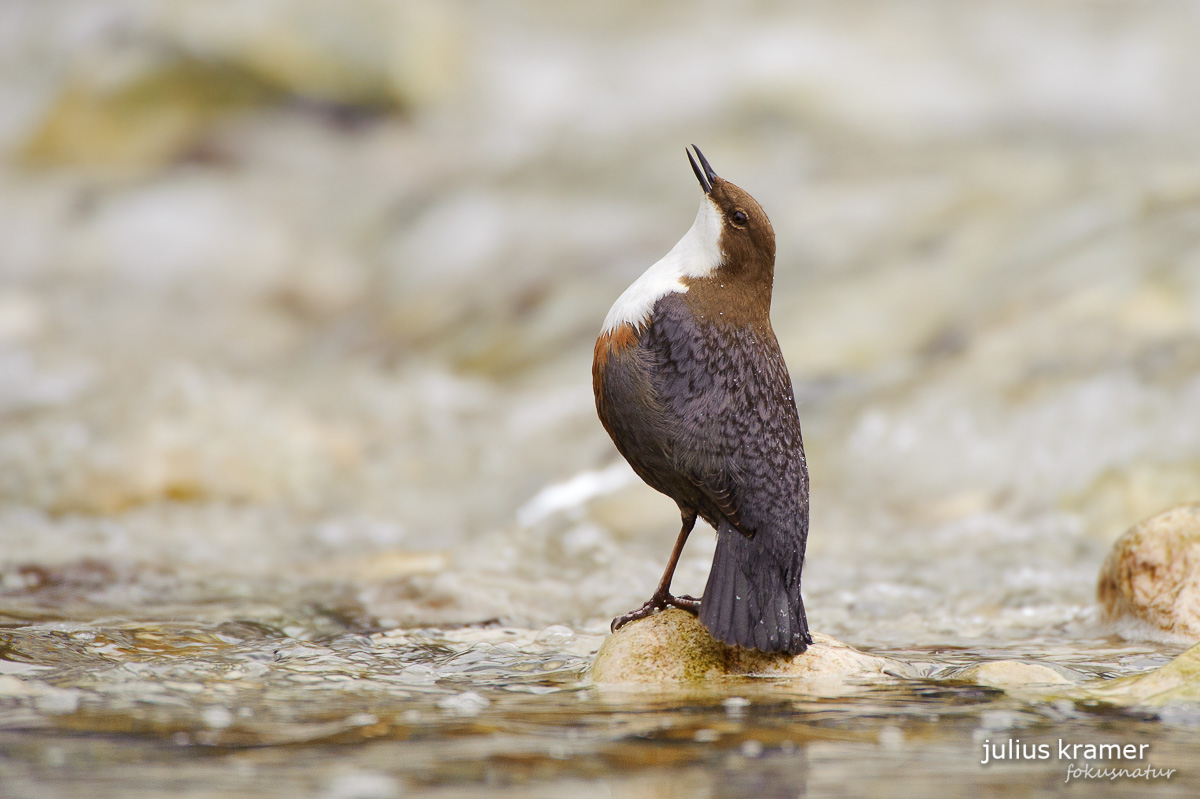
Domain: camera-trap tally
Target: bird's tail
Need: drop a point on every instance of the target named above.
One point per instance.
(752, 598)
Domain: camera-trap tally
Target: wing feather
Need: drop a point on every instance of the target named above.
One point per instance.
(727, 398)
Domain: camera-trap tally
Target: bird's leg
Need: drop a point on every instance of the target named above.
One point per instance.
(662, 595)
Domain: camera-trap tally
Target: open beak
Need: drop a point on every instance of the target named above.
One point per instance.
(706, 176)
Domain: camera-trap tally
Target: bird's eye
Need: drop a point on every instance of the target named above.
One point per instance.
(740, 218)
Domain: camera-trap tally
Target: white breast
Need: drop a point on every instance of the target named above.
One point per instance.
(697, 254)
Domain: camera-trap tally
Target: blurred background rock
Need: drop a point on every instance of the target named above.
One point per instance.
(302, 289)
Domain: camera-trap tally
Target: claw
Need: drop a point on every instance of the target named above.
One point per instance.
(689, 603)
(653, 605)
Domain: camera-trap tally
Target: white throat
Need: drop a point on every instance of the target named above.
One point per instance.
(697, 254)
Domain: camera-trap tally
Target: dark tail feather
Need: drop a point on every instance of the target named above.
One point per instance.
(752, 598)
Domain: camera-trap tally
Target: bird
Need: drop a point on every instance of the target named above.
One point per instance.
(692, 387)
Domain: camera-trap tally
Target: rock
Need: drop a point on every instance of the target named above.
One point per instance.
(154, 117)
(181, 69)
(674, 647)
(1009, 674)
(367, 53)
(1152, 574)
(1175, 683)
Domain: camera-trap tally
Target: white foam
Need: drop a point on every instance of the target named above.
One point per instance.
(697, 254)
(1131, 628)
(574, 492)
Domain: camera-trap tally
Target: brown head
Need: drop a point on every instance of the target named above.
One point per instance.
(740, 287)
(724, 264)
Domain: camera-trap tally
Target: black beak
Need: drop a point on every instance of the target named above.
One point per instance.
(705, 176)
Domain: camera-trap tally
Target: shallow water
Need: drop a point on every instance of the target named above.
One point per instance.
(301, 486)
(241, 708)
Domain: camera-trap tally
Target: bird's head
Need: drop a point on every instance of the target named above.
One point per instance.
(747, 240)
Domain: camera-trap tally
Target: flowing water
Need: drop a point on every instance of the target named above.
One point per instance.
(301, 487)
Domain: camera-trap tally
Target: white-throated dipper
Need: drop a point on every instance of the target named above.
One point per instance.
(691, 386)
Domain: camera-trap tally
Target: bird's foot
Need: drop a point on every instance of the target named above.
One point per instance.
(655, 604)
(685, 602)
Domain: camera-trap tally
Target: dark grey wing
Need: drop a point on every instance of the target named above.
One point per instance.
(736, 434)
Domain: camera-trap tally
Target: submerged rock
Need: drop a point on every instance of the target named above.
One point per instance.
(1011, 674)
(1174, 683)
(1177, 682)
(674, 647)
(1152, 574)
